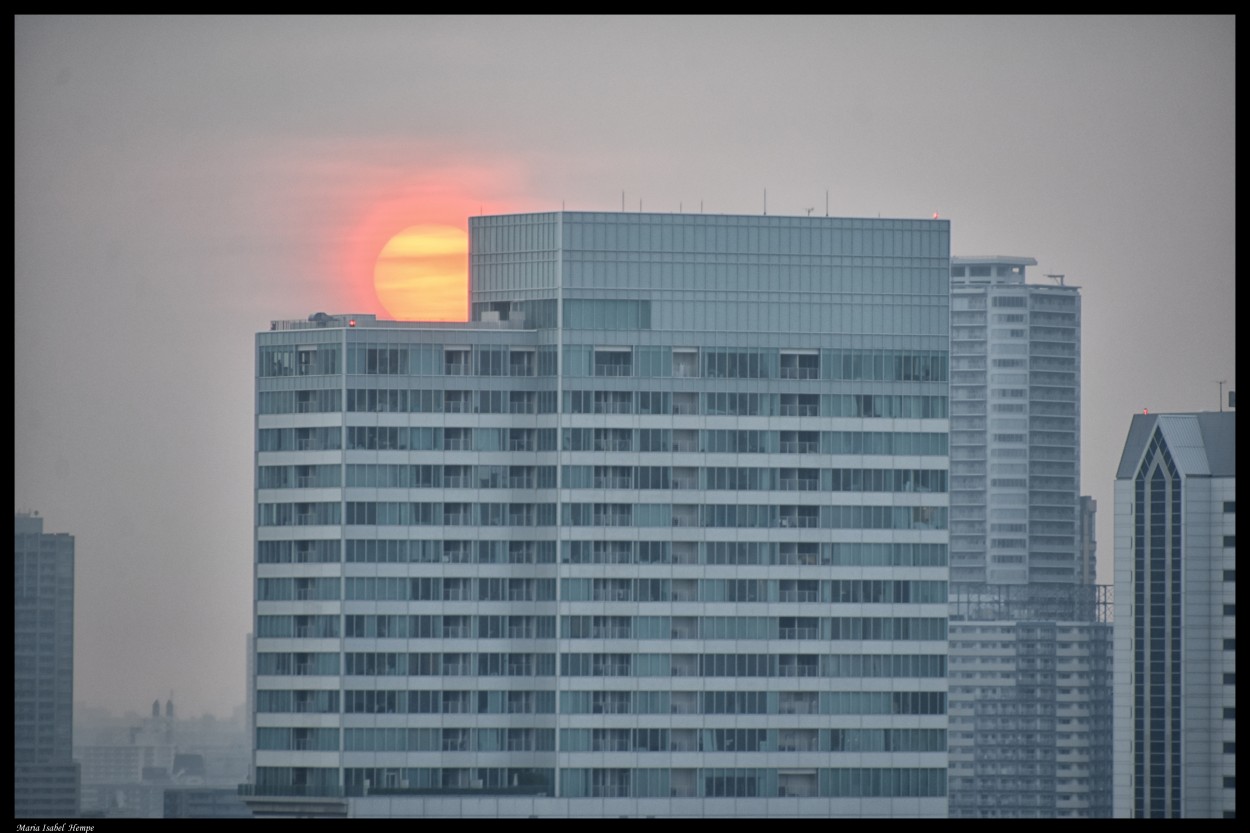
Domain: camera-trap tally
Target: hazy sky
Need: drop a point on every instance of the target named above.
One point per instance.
(180, 182)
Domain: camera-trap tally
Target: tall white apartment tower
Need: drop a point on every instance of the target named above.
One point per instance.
(661, 531)
(1015, 425)
(1176, 620)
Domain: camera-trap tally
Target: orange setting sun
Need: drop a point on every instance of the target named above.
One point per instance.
(421, 274)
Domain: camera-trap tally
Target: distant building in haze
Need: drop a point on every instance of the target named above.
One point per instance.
(1087, 542)
(204, 803)
(46, 778)
(1176, 621)
(128, 764)
(1015, 425)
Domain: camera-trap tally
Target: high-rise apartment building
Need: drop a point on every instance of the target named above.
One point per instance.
(1030, 695)
(661, 531)
(1030, 702)
(1015, 425)
(46, 779)
(1176, 622)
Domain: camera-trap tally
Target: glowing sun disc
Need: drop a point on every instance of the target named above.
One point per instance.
(422, 274)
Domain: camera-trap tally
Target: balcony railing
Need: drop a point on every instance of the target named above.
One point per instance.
(612, 482)
(612, 445)
(799, 707)
(804, 447)
(798, 670)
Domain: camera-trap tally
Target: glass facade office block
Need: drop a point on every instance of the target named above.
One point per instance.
(662, 529)
(1175, 628)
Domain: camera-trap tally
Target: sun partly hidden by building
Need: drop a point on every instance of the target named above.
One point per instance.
(421, 274)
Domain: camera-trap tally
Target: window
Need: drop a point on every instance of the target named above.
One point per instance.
(492, 361)
(521, 363)
(614, 362)
(458, 402)
(800, 365)
(456, 361)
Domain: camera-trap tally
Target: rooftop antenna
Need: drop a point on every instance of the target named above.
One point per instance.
(1221, 383)
(1058, 279)
(810, 210)
(826, 202)
(765, 202)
